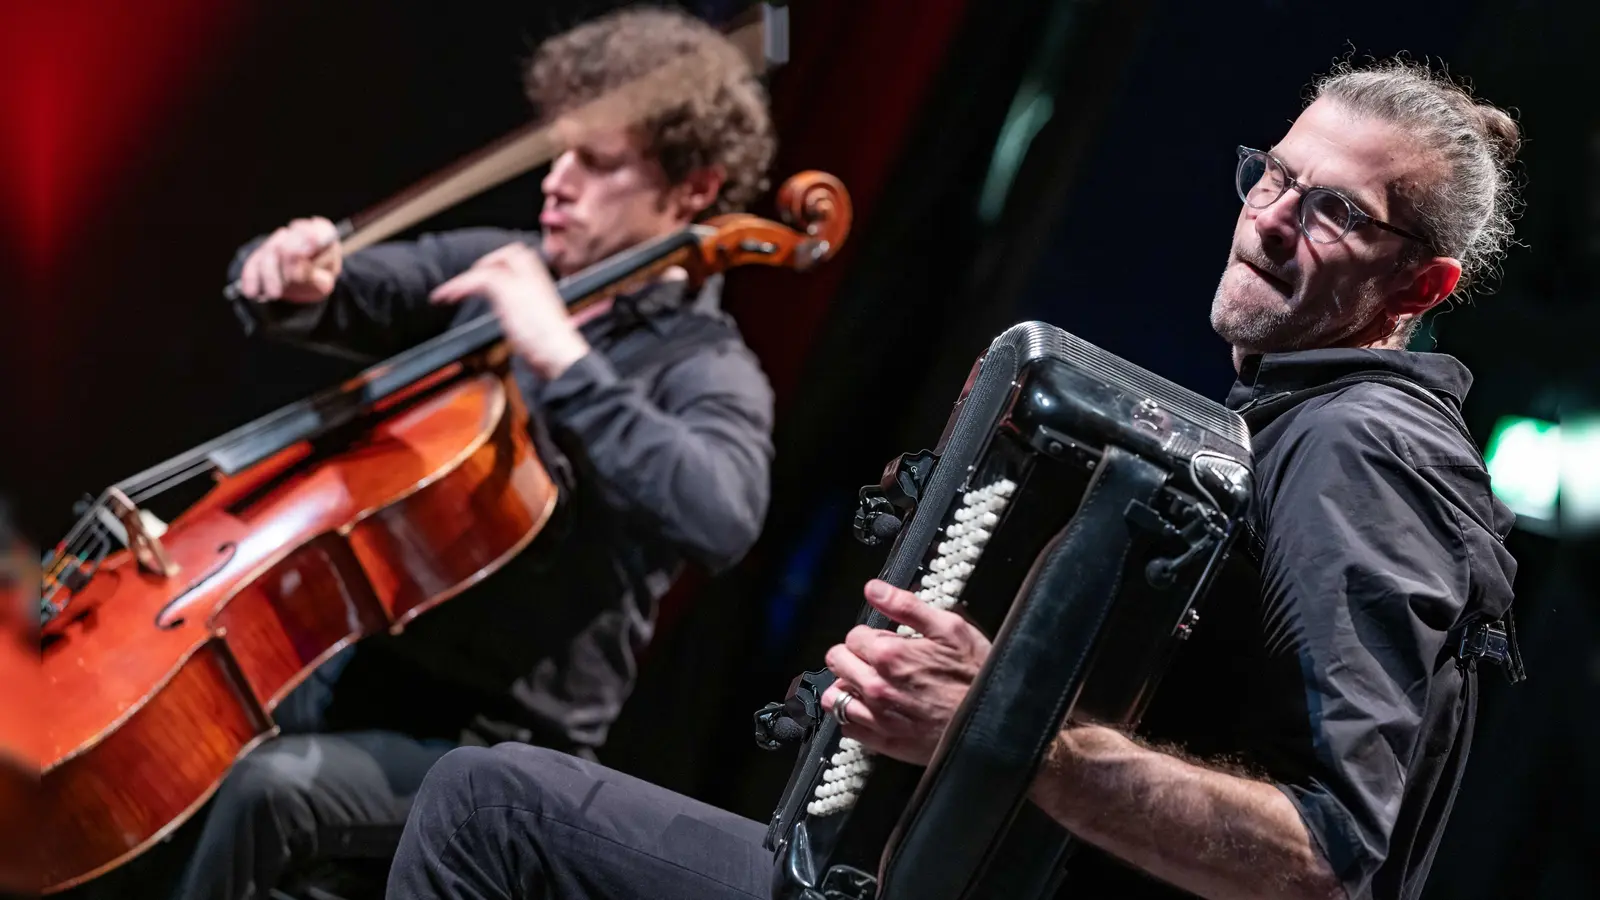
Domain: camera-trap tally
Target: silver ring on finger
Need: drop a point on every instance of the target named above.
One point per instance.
(839, 705)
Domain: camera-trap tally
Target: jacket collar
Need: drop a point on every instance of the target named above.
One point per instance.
(1262, 375)
(645, 305)
(648, 306)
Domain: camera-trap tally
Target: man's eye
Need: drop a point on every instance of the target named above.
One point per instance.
(598, 162)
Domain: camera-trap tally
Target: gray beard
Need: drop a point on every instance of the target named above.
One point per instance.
(1250, 329)
(1257, 330)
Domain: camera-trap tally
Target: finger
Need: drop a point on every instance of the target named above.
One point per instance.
(294, 259)
(323, 281)
(296, 244)
(318, 241)
(501, 256)
(294, 270)
(904, 607)
(318, 231)
(473, 281)
(863, 718)
(854, 670)
(868, 642)
(525, 260)
(297, 239)
(250, 275)
(271, 271)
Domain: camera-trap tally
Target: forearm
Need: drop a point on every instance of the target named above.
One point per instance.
(380, 302)
(1207, 832)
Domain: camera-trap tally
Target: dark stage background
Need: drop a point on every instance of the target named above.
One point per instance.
(1067, 161)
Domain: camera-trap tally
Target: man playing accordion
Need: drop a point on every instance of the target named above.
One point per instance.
(1309, 739)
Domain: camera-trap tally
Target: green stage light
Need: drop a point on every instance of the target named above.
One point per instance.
(1580, 473)
(1524, 458)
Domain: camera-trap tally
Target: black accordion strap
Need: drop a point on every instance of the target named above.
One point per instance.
(980, 775)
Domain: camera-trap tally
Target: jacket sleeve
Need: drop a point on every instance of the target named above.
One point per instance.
(379, 305)
(1369, 561)
(693, 462)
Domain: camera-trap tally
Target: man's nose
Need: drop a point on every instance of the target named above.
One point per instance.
(558, 181)
(1278, 224)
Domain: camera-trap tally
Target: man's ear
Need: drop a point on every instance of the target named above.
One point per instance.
(1424, 286)
(697, 191)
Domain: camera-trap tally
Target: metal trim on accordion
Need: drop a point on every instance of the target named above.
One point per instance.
(1076, 509)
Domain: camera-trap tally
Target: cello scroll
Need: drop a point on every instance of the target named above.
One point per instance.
(815, 203)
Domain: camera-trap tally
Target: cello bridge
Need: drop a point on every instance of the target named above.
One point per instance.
(143, 535)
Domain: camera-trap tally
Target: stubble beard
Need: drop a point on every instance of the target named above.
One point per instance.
(1265, 328)
(1250, 326)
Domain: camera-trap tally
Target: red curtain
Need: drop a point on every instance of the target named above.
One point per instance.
(88, 80)
(844, 104)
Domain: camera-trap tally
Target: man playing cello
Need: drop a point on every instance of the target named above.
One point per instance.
(654, 417)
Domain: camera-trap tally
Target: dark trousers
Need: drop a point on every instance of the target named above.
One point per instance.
(305, 799)
(515, 821)
(318, 794)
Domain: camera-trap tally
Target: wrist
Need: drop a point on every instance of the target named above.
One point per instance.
(1054, 769)
(1065, 771)
(555, 360)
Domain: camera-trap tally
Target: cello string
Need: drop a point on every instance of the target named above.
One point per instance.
(195, 470)
(75, 534)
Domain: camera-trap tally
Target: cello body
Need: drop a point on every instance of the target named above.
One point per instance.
(158, 684)
(19, 711)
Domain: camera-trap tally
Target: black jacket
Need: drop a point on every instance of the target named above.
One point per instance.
(1325, 657)
(661, 441)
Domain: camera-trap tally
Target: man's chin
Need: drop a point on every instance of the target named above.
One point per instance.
(557, 258)
(1245, 324)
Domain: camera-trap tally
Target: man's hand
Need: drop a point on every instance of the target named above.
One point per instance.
(906, 689)
(298, 263)
(532, 313)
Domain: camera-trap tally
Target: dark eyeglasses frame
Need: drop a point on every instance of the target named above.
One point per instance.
(1356, 218)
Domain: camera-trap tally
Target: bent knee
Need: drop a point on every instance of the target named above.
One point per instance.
(512, 775)
(282, 768)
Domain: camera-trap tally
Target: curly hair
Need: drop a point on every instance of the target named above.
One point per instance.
(1468, 207)
(721, 120)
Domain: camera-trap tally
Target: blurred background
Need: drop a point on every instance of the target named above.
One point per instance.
(1063, 160)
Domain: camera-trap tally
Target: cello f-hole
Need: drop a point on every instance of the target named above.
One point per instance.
(225, 552)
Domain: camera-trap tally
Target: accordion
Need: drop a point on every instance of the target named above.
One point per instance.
(1075, 509)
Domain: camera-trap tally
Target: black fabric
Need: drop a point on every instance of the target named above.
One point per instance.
(515, 821)
(303, 799)
(1323, 662)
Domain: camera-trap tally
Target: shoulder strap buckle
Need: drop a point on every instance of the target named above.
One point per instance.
(1496, 642)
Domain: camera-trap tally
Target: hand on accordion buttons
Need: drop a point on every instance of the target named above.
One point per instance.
(904, 690)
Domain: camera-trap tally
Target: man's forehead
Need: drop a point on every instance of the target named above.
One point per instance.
(593, 133)
(1362, 156)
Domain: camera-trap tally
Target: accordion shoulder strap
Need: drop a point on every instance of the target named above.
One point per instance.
(979, 778)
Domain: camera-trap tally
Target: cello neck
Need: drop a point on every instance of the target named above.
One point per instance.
(628, 270)
(329, 409)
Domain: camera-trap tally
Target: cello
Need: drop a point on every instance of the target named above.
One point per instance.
(19, 709)
(166, 646)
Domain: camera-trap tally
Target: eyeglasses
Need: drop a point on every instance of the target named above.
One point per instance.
(1325, 214)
